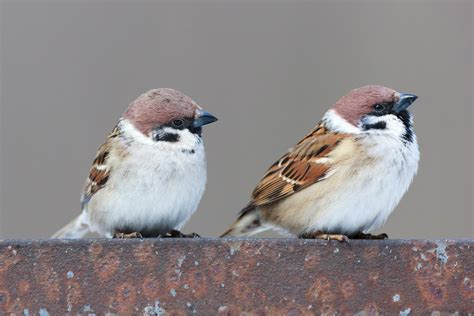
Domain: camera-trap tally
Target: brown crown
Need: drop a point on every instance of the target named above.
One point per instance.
(157, 107)
(360, 102)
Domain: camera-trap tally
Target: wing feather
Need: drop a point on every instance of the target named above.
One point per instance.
(299, 168)
(99, 173)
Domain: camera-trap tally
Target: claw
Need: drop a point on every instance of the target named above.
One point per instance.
(338, 237)
(370, 236)
(177, 234)
(127, 236)
(319, 235)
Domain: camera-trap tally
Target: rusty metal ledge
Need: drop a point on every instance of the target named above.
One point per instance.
(232, 276)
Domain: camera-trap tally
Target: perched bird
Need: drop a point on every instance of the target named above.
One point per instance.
(345, 177)
(148, 177)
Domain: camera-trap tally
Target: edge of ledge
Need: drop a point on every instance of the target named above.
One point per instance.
(214, 241)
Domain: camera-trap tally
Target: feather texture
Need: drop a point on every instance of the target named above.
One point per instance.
(302, 166)
(100, 171)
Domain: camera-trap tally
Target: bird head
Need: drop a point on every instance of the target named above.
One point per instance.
(373, 109)
(167, 115)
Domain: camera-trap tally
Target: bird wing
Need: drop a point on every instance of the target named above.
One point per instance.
(100, 171)
(300, 167)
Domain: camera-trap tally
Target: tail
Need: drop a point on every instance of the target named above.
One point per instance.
(77, 228)
(248, 223)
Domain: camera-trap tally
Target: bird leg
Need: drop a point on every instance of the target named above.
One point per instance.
(177, 234)
(121, 235)
(361, 235)
(320, 235)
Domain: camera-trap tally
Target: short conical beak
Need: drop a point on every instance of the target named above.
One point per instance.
(404, 102)
(203, 118)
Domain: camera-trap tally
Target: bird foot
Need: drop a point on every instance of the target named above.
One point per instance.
(127, 236)
(370, 236)
(177, 234)
(319, 235)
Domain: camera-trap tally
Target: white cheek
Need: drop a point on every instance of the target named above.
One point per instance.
(336, 123)
(187, 140)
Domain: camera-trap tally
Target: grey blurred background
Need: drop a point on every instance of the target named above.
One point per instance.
(268, 71)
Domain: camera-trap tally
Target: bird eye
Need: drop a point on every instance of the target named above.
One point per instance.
(379, 107)
(177, 123)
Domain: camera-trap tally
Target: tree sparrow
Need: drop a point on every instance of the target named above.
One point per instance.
(345, 177)
(150, 174)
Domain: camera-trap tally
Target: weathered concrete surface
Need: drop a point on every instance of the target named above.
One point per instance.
(229, 277)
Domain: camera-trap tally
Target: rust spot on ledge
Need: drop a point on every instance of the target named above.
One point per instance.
(231, 277)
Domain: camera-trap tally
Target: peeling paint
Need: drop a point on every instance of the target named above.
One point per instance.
(441, 252)
(181, 260)
(87, 308)
(155, 310)
(418, 266)
(234, 247)
(396, 298)
(223, 310)
(173, 292)
(43, 312)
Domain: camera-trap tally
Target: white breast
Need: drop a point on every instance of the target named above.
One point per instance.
(157, 187)
(367, 194)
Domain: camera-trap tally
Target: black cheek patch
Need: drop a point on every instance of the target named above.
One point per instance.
(378, 125)
(167, 137)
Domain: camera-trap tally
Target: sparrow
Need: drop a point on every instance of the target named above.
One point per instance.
(345, 177)
(148, 177)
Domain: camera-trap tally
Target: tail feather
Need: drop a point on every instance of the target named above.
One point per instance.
(247, 224)
(77, 228)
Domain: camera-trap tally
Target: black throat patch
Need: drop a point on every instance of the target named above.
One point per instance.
(405, 117)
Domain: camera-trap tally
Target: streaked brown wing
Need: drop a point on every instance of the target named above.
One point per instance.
(297, 169)
(100, 170)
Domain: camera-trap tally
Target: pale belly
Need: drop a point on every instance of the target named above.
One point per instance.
(151, 200)
(362, 206)
(348, 202)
